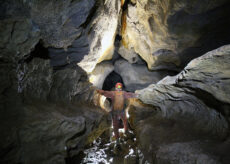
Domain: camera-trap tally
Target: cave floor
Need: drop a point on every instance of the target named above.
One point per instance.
(103, 151)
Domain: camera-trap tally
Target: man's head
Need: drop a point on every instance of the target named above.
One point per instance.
(118, 86)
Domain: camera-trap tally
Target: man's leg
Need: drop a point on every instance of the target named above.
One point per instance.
(115, 125)
(124, 119)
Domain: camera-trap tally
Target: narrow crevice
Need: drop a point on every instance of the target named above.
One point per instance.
(124, 4)
(91, 15)
(39, 52)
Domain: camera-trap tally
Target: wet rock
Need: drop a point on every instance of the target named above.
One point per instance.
(103, 151)
(137, 76)
(131, 159)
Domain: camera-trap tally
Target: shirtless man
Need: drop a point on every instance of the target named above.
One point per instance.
(118, 102)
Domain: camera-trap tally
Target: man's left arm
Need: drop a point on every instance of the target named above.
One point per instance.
(130, 95)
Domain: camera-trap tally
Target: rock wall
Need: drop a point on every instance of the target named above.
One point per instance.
(168, 34)
(48, 115)
(76, 31)
(190, 114)
(47, 112)
(137, 76)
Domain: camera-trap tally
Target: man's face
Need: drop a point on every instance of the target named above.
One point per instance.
(118, 89)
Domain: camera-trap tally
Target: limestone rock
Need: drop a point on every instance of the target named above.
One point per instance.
(209, 73)
(168, 34)
(41, 119)
(192, 107)
(137, 76)
(60, 22)
(72, 83)
(101, 71)
(19, 37)
(49, 137)
(168, 80)
(179, 153)
(79, 31)
(102, 35)
(35, 79)
(73, 54)
(130, 55)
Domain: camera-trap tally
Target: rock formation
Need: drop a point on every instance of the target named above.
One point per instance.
(54, 54)
(136, 76)
(168, 34)
(45, 119)
(188, 116)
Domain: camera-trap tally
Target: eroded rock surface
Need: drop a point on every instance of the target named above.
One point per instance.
(46, 113)
(137, 76)
(101, 71)
(179, 153)
(47, 118)
(80, 32)
(168, 34)
(193, 108)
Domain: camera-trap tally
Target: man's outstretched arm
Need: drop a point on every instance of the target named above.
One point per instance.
(130, 95)
(108, 94)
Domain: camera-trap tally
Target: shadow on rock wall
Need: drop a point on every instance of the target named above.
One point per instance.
(46, 115)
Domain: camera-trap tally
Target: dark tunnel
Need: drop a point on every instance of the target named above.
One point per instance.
(111, 80)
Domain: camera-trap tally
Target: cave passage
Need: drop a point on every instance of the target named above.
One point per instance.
(111, 81)
(39, 52)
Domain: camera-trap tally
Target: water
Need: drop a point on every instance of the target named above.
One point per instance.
(98, 153)
(103, 151)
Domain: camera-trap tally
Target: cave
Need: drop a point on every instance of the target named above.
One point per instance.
(58, 59)
(111, 80)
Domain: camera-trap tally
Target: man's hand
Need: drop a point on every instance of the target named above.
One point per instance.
(99, 91)
(137, 95)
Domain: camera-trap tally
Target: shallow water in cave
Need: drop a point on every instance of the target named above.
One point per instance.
(102, 151)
